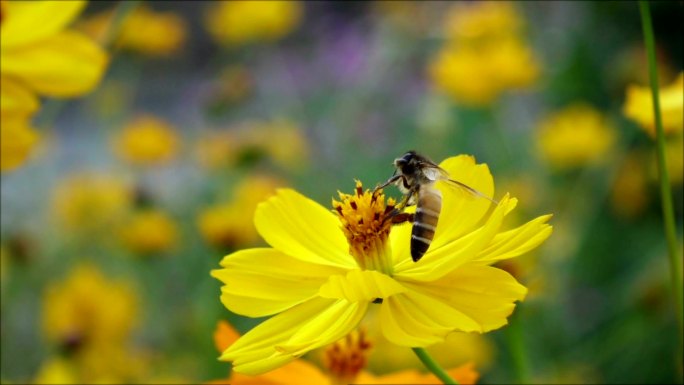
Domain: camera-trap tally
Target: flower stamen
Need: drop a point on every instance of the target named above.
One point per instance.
(346, 358)
(363, 222)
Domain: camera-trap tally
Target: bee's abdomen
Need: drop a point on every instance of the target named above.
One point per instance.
(425, 221)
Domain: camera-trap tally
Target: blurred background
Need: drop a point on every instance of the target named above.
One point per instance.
(118, 201)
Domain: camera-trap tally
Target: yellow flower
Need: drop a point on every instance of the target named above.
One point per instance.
(143, 30)
(91, 201)
(280, 141)
(87, 309)
(344, 362)
(485, 54)
(147, 140)
(56, 371)
(230, 224)
(318, 280)
(240, 22)
(575, 136)
(639, 106)
(149, 232)
(40, 57)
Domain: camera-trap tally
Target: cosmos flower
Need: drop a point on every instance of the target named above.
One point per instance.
(147, 140)
(575, 136)
(40, 57)
(150, 231)
(344, 362)
(240, 22)
(639, 106)
(325, 269)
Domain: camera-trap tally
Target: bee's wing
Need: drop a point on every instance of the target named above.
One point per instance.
(435, 173)
(469, 190)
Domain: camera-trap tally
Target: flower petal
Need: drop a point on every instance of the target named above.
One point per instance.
(462, 211)
(515, 242)
(15, 99)
(286, 336)
(29, 21)
(264, 281)
(64, 65)
(17, 140)
(415, 319)
(303, 229)
(360, 285)
(484, 293)
(303, 371)
(326, 327)
(439, 261)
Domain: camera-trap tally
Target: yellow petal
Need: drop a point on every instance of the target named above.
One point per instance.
(439, 261)
(326, 327)
(518, 241)
(417, 320)
(16, 99)
(260, 282)
(484, 293)
(26, 22)
(64, 65)
(360, 285)
(282, 338)
(303, 229)
(462, 211)
(17, 139)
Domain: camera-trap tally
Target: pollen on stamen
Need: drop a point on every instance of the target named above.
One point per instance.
(362, 215)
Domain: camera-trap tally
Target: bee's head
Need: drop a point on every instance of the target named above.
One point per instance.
(406, 164)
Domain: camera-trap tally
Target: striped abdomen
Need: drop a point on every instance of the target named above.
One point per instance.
(425, 220)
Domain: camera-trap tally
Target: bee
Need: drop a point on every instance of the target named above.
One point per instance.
(415, 175)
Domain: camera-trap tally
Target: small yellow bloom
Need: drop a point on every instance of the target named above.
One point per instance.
(485, 54)
(144, 30)
(241, 22)
(575, 136)
(639, 106)
(230, 224)
(147, 140)
(318, 279)
(91, 201)
(149, 232)
(279, 141)
(56, 371)
(87, 309)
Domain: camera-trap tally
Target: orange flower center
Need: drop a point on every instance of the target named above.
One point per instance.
(347, 357)
(363, 221)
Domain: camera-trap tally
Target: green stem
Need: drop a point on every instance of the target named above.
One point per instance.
(122, 11)
(516, 345)
(433, 366)
(665, 194)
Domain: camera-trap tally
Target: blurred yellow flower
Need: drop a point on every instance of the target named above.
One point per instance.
(484, 20)
(230, 225)
(346, 271)
(674, 156)
(147, 140)
(143, 30)
(485, 54)
(87, 309)
(280, 141)
(639, 106)
(56, 371)
(576, 136)
(91, 201)
(242, 21)
(40, 57)
(150, 231)
(344, 363)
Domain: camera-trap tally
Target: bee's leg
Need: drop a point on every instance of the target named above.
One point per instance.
(407, 200)
(396, 217)
(391, 180)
